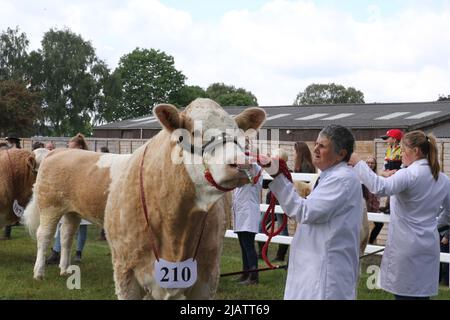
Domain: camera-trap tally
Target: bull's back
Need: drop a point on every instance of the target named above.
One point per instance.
(73, 181)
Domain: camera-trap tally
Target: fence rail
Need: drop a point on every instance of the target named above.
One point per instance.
(374, 217)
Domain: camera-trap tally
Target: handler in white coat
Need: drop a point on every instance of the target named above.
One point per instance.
(246, 213)
(323, 258)
(410, 264)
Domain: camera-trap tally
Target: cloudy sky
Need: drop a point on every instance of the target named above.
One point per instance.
(391, 50)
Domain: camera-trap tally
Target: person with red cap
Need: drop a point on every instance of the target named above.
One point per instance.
(392, 163)
(393, 156)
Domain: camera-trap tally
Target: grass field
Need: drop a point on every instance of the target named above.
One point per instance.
(17, 260)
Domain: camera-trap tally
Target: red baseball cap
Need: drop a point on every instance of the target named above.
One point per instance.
(394, 133)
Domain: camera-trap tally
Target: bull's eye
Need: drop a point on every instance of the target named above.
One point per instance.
(180, 139)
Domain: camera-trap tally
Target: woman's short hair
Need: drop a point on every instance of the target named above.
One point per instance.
(341, 138)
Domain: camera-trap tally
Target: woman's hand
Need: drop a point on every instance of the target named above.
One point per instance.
(387, 173)
(444, 240)
(354, 159)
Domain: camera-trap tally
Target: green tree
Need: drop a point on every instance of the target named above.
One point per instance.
(13, 54)
(69, 75)
(186, 95)
(148, 77)
(227, 95)
(328, 94)
(19, 108)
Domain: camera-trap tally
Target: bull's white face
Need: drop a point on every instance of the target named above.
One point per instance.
(205, 121)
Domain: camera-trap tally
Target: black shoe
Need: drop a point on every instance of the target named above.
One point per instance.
(243, 277)
(77, 258)
(54, 258)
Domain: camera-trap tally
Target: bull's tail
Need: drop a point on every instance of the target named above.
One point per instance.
(31, 217)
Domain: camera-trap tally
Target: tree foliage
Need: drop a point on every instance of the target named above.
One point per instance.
(227, 95)
(328, 94)
(67, 89)
(13, 54)
(148, 77)
(186, 95)
(68, 73)
(19, 108)
(444, 98)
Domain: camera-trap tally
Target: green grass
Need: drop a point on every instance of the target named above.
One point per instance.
(17, 260)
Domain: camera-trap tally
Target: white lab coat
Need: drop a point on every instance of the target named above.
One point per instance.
(246, 211)
(324, 253)
(410, 264)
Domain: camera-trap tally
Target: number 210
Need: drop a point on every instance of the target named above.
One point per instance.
(185, 274)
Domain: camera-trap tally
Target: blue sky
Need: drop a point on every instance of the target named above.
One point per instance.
(393, 50)
(208, 10)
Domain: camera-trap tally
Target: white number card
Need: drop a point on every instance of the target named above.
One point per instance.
(18, 210)
(181, 274)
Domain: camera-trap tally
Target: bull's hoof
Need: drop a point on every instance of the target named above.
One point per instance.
(39, 277)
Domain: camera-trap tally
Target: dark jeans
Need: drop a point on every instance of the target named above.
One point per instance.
(249, 257)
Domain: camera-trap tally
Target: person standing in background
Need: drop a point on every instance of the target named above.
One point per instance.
(372, 201)
(76, 142)
(246, 214)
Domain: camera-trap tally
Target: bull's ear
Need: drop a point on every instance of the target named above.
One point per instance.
(168, 116)
(31, 162)
(251, 118)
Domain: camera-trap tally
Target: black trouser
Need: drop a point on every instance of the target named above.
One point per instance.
(443, 267)
(375, 231)
(249, 257)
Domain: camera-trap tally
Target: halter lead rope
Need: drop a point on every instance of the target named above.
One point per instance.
(270, 213)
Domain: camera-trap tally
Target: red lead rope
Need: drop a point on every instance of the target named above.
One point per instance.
(269, 216)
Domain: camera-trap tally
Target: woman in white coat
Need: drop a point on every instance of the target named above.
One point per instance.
(246, 212)
(323, 258)
(410, 264)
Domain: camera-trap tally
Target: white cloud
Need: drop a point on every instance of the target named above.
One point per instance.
(274, 51)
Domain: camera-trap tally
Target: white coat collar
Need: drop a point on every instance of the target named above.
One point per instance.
(326, 172)
(420, 162)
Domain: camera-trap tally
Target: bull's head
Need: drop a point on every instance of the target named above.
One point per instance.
(208, 139)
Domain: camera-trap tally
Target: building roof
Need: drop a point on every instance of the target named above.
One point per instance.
(407, 116)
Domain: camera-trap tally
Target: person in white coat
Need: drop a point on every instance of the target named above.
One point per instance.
(324, 253)
(246, 212)
(410, 264)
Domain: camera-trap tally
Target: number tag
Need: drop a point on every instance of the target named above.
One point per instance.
(18, 209)
(176, 274)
